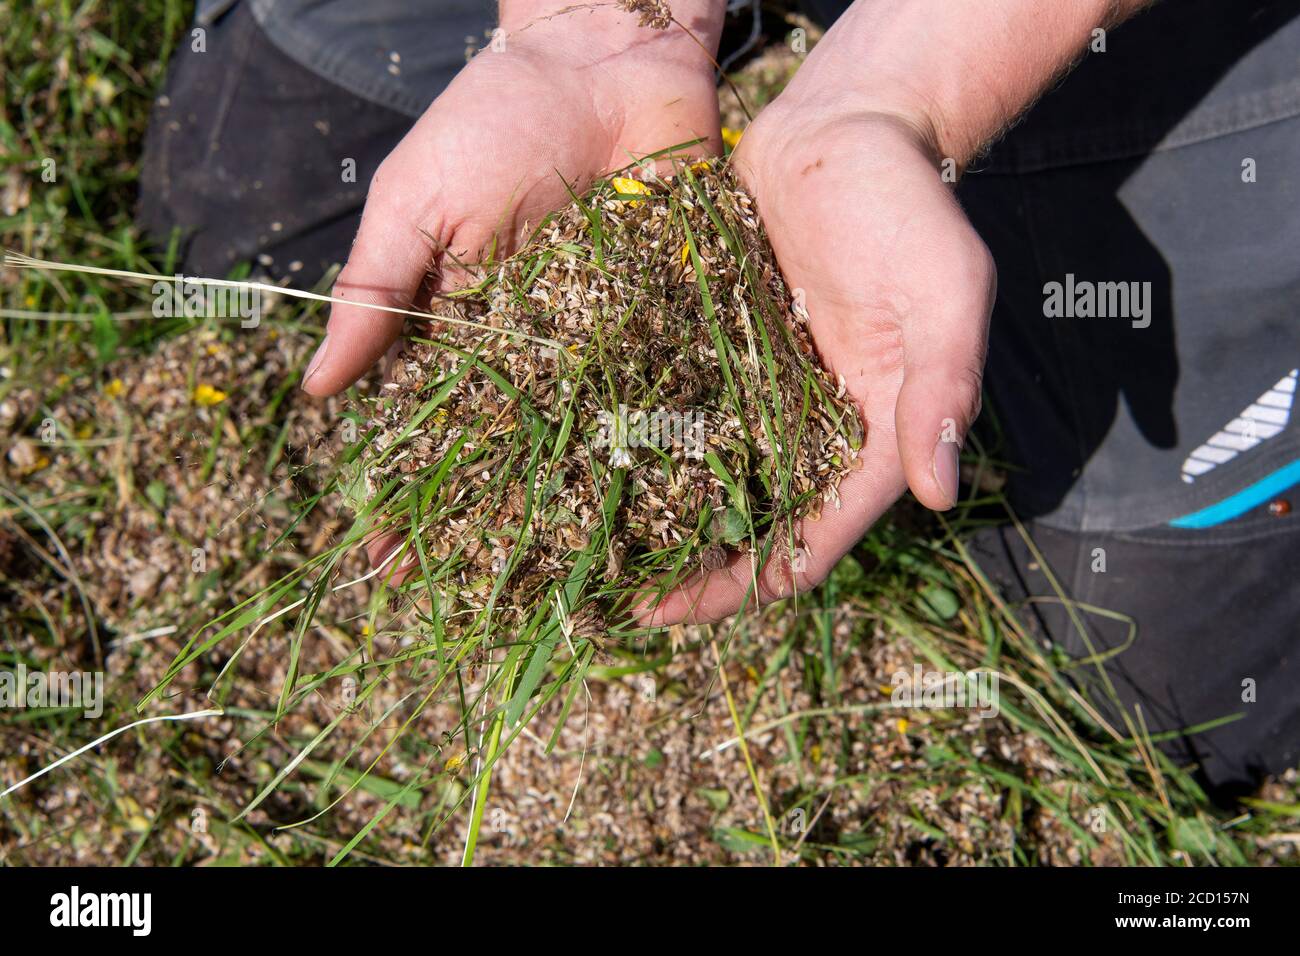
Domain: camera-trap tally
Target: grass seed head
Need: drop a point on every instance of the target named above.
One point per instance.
(681, 412)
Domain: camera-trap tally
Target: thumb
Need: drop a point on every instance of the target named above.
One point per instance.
(388, 263)
(936, 407)
(943, 373)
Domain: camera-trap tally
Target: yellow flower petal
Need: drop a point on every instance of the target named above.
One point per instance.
(208, 396)
(114, 388)
(732, 136)
(902, 725)
(625, 185)
(630, 187)
(456, 762)
(40, 463)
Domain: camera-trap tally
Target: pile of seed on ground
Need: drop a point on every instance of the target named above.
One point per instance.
(545, 452)
(175, 478)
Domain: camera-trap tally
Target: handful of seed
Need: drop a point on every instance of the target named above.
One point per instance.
(620, 402)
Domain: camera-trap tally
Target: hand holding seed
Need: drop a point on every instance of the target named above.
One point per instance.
(559, 100)
(564, 98)
(899, 289)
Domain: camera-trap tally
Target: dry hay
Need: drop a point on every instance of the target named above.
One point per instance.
(176, 483)
(651, 399)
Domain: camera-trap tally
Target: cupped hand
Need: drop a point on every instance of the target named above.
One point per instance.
(552, 105)
(560, 102)
(898, 288)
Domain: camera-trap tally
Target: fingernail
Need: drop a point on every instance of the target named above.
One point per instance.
(316, 359)
(945, 469)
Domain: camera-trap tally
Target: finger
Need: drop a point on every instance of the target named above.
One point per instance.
(388, 263)
(795, 564)
(938, 402)
(385, 551)
(936, 407)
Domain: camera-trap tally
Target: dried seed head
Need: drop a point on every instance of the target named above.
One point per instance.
(525, 462)
(654, 14)
(713, 558)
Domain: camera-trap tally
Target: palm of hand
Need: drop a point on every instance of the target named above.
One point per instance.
(500, 148)
(898, 289)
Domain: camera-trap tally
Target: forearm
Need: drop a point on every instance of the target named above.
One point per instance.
(959, 70)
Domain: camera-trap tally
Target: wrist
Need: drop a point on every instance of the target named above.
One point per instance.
(597, 30)
(791, 137)
(958, 74)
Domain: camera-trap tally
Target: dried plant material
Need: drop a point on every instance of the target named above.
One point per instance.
(170, 490)
(654, 14)
(680, 411)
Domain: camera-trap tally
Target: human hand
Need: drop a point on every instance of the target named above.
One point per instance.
(565, 98)
(898, 289)
(846, 168)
